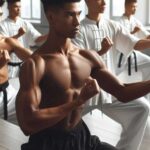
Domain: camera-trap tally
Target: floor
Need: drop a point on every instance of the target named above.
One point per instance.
(109, 131)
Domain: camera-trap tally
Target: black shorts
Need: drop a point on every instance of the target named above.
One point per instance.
(77, 139)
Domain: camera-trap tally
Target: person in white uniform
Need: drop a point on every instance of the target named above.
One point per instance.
(10, 26)
(132, 116)
(138, 63)
(7, 92)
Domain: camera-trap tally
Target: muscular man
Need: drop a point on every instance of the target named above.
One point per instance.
(59, 82)
(92, 30)
(10, 27)
(7, 92)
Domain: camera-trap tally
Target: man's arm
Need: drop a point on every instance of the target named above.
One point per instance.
(4, 58)
(20, 33)
(142, 44)
(123, 92)
(106, 44)
(30, 116)
(41, 38)
(15, 46)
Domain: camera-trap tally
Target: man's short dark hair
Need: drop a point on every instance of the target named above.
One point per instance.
(2, 2)
(12, 1)
(56, 3)
(130, 1)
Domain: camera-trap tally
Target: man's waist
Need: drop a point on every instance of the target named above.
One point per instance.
(4, 85)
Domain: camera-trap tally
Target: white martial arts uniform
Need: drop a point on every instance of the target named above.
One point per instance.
(11, 96)
(133, 115)
(143, 60)
(10, 28)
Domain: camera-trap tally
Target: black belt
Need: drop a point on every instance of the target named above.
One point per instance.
(15, 64)
(3, 89)
(129, 62)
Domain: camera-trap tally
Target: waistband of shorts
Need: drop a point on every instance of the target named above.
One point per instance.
(58, 132)
(4, 85)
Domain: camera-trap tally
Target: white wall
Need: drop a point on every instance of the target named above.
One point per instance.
(141, 14)
(142, 11)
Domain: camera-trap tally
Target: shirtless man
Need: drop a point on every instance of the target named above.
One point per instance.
(7, 92)
(60, 78)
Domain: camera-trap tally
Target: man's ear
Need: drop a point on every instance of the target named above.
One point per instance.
(49, 15)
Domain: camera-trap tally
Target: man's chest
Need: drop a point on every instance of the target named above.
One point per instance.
(68, 72)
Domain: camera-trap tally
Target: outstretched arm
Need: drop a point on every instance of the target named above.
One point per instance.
(123, 92)
(41, 38)
(142, 44)
(15, 46)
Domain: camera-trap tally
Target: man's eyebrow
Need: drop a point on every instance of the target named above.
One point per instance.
(73, 12)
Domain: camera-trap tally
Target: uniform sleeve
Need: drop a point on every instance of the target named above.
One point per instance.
(143, 33)
(124, 40)
(32, 34)
(4, 30)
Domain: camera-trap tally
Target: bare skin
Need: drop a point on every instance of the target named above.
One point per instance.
(58, 78)
(106, 45)
(9, 45)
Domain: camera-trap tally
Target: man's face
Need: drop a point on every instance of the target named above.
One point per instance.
(14, 9)
(96, 6)
(131, 8)
(65, 21)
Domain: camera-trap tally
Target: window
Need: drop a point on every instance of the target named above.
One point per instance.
(149, 12)
(117, 8)
(31, 10)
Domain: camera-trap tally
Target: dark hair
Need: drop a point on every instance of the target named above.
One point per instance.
(12, 1)
(2, 2)
(130, 1)
(56, 3)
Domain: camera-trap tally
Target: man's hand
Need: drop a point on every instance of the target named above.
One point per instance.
(4, 58)
(106, 44)
(21, 31)
(90, 89)
(136, 29)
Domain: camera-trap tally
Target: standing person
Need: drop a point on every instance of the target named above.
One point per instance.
(12, 25)
(138, 63)
(7, 92)
(92, 30)
(60, 78)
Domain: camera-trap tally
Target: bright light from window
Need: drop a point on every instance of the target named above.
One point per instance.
(31, 10)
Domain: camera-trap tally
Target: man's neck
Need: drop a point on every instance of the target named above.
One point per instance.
(95, 17)
(127, 15)
(14, 18)
(62, 45)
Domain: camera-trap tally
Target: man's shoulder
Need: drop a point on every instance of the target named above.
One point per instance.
(5, 21)
(91, 55)
(34, 59)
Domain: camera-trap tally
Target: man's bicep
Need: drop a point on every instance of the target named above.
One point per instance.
(28, 99)
(107, 81)
(29, 81)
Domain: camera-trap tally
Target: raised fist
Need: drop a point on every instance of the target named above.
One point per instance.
(90, 89)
